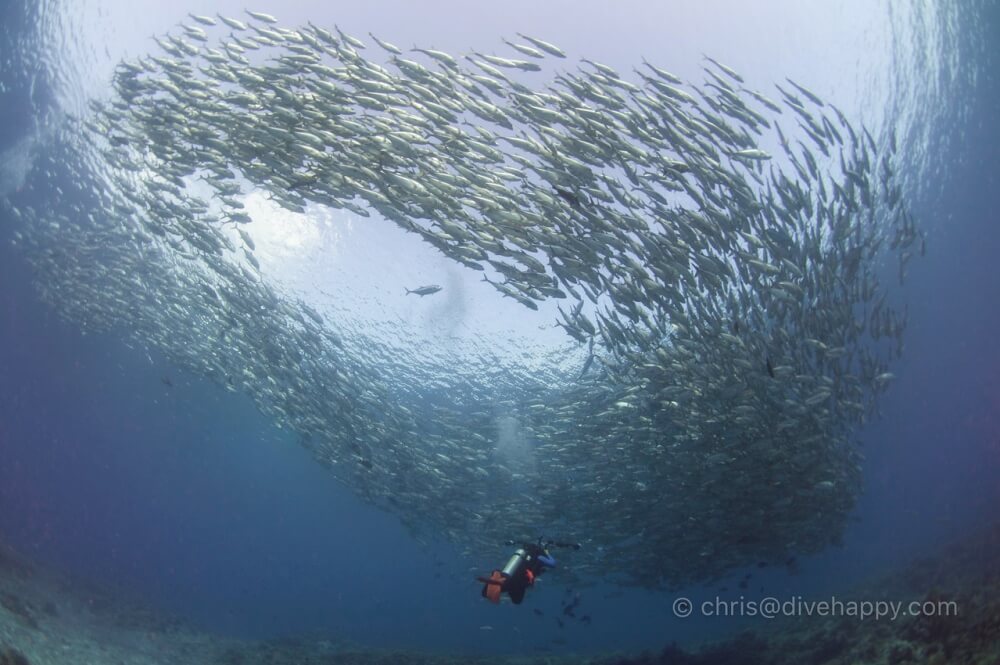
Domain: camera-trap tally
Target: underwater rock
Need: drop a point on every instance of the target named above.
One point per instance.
(10, 656)
(900, 653)
(19, 608)
(10, 562)
(746, 648)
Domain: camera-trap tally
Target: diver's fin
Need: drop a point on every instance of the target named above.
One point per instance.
(493, 586)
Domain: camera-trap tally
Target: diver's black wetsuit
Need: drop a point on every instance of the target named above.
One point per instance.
(525, 576)
(527, 563)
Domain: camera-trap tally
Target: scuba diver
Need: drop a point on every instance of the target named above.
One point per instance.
(528, 562)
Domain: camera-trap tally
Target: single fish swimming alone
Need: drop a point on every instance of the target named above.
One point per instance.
(424, 290)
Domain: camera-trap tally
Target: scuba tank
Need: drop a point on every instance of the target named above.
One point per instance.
(515, 562)
(521, 570)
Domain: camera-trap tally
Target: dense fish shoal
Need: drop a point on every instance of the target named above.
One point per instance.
(718, 255)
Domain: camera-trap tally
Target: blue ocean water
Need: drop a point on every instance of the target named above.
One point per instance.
(123, 468)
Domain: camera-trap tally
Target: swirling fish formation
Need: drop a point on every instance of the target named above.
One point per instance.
(731, 305)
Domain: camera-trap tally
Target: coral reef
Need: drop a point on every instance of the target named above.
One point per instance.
(964, 580)
(967, 576)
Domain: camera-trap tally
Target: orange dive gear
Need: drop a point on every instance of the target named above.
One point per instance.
(493, 586)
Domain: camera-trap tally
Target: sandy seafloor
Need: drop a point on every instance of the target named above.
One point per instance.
(47, 618)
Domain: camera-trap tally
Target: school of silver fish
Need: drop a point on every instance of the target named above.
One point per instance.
(733, 309)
